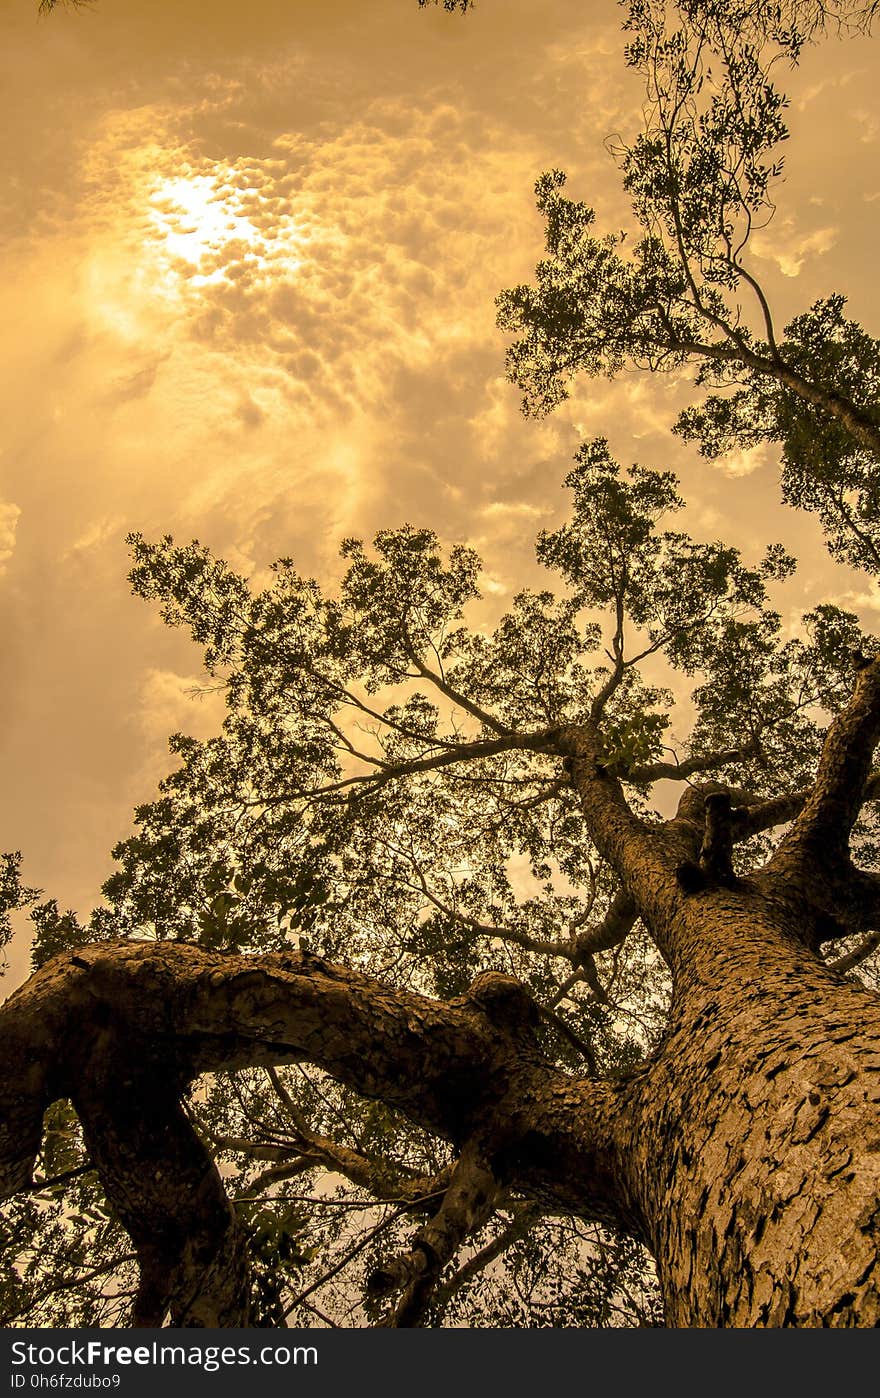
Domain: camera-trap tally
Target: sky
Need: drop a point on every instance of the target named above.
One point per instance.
(250, 254)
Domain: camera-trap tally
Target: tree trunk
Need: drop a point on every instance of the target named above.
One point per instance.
(745, 1154)
(753, 1144)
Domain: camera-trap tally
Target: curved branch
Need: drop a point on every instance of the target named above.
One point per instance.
(617, 923)
(467, 1204)
(643, 856)
(542, 946)
(818, 840)
(123, 1028)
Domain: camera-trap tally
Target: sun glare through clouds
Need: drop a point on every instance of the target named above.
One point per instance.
(251, 270)
(199, 220)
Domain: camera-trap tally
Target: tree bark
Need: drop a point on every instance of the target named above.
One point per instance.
(746, 1153)
(756, 1154)
(753, 1153)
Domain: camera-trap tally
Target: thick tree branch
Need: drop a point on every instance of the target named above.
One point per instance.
(164, 1185)
(617, 923)
(716, 851)
(819, 836)
(644, 856)
(122, 1028)
(778, 810)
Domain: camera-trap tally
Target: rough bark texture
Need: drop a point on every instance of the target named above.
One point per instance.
(122, 1028)
(757, 1158)
(745, 1153)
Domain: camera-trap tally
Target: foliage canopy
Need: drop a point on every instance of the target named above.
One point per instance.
(391, 790)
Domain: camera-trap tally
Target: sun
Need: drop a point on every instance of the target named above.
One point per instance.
(200, 221)
(190, 238)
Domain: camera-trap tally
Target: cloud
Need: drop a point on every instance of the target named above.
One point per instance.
(137, 383)
(9, 516)
(869, 123)
(172, 703)
(744, 462)
(865, 597)
(828, 85)
(788, 249)
(95, 537)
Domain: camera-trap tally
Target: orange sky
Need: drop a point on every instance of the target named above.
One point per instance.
(250, 253)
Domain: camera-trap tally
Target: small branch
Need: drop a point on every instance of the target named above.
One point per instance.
(541, 946)
(67, 1284)
(285, 1099)
(574, 1039)
(460, 700)
(39, 1185)
(600, 700)
(255, 1150)
(344, 1260)
(461, 752)
(467, 1204)
(690, 767)
(760, 295)
(275, 1174)
(857, 421)
(568, 985)
(525, 1216)
(855, 957)
(367, 1173)
(591, 976)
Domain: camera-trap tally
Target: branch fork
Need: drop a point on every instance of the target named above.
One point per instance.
(468, 1203)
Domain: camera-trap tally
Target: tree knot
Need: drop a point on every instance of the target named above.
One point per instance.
(503, 1000)
(715, 862)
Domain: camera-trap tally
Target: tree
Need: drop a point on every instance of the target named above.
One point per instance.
(701, 176)
(739, 1148)
(425, 918)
